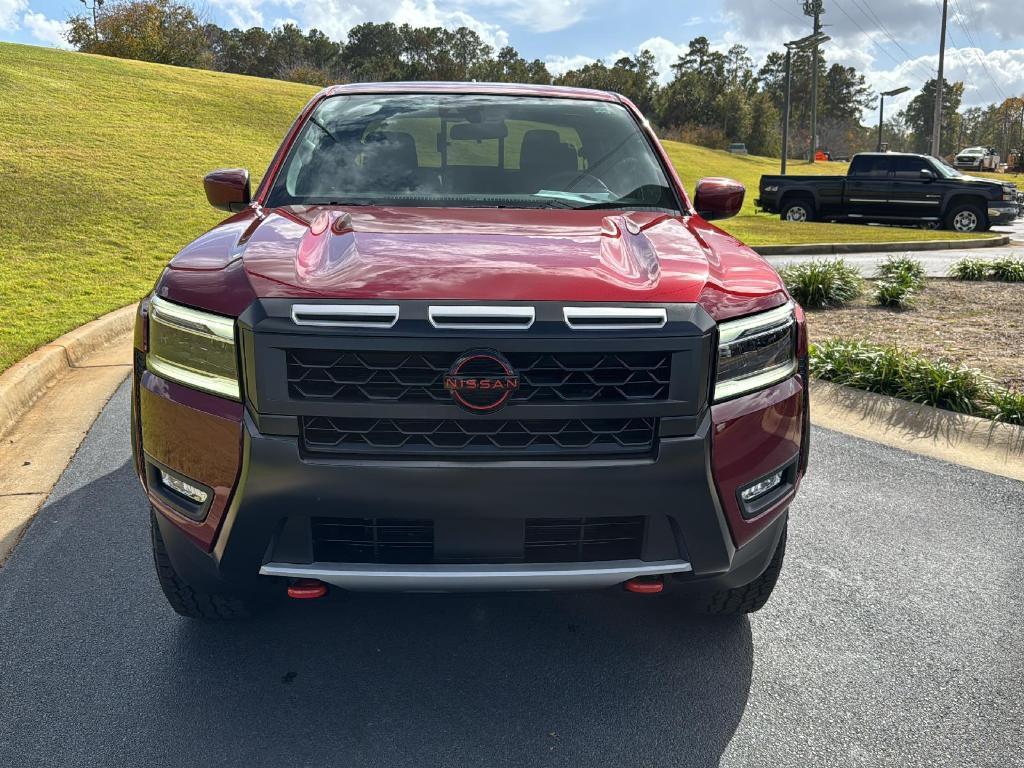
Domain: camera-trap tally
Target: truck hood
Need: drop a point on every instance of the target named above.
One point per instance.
(485, 254)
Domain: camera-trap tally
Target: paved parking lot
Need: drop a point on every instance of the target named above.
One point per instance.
(893, 639)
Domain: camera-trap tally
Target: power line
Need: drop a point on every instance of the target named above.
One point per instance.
(871, 39)
(785, 10)
(870, 14)
(960, 19)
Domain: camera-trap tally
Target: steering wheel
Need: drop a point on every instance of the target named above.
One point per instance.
(573, 180)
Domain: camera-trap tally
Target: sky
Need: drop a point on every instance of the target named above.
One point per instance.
(893, 42)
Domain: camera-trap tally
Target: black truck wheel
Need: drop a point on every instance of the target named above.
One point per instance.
(750, 597)
(798, 209)
(185, 600)
(966, 217)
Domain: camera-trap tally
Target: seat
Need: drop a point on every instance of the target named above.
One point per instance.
(390, 162)
(543, 156)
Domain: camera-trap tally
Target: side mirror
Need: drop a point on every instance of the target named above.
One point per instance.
(228, 188)
(718, 198)
(927, 175)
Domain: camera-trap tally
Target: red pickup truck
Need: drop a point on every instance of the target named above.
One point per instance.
(468, 337)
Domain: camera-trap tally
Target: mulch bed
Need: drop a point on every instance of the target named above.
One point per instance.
(978, 324)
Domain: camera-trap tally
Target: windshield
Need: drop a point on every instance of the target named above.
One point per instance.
(945, 169)
(468, 150)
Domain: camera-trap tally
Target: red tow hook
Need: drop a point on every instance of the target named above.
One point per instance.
(645, 585)
(307, 589)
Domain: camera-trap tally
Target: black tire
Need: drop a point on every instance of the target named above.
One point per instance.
(966, 217)
(185, 600)
(797, 209)
(750, 597)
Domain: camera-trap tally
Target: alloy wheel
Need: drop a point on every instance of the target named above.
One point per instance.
(965, 221)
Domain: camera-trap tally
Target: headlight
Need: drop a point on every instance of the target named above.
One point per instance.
(772, 188)
(1009, 193)
(193, 348)
(755, 352)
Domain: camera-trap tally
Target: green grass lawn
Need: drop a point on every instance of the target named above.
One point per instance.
(101, 163)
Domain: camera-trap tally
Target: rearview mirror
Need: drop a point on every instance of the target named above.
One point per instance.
(228, 188)
(927, 175)
(718, 198)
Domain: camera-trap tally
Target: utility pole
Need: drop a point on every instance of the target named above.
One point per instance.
(814, 8)
(96, 4)
(937, 120)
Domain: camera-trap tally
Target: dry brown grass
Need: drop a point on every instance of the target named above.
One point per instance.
(978, 324)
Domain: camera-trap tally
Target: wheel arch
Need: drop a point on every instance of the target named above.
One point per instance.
(967, 198)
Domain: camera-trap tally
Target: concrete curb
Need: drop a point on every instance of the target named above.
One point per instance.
(26, 381)
(965, 440)
(832, 249)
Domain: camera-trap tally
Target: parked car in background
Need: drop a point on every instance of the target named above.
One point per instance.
(893, 188)
(977, 159)
(738, 148)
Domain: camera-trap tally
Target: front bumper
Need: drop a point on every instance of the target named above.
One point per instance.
(688, 493)
(1002, 212)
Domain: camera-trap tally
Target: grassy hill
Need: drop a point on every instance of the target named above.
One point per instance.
(101, 162)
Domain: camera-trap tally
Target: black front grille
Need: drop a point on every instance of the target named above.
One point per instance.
(562, 377)
(397, 437)
(372, 540)
(545, 540)
(583, 539)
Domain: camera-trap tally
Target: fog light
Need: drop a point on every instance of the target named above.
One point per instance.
(187, 490)
(761, 488)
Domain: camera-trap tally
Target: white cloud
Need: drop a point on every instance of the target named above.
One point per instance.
(559, 65)
(9, 11)
(1001, 75)
(46, 30)
(537, 15)
(336, 17)
(425, 13)
(241, 13)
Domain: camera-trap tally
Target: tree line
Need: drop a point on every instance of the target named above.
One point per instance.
(712, 98)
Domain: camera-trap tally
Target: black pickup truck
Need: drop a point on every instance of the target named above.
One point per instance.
(893, 188)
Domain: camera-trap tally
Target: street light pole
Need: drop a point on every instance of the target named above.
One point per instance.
(881, 111)
(785, 109)
(803, 44)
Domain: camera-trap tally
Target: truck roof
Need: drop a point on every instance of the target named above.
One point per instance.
(891, 154)
(504, 89)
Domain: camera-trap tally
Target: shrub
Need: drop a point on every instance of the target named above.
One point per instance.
(903, 270)
(818, 284)
(889, 370)
(1008, 270)
(896, 294)
(1008, 406)
(969, 269)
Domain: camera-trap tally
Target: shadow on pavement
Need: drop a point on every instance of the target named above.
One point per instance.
(581, 679)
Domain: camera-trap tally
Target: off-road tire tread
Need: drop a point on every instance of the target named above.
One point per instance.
(753, 596)
(185, 600)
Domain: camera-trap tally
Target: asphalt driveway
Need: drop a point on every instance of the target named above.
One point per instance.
(894, 639)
